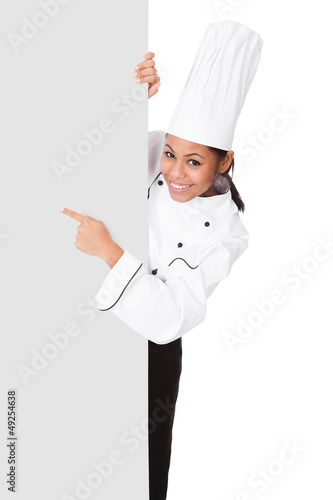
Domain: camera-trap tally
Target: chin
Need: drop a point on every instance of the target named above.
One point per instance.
(181, 197)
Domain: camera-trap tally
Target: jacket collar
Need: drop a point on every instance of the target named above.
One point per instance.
(211, 206)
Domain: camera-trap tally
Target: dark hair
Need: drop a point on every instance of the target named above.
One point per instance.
(221, 153)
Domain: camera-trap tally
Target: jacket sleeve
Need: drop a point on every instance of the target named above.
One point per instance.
(163, 311)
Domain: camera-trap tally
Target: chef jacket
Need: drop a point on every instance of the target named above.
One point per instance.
(192, 247)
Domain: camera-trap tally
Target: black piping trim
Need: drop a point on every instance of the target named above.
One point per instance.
(123, 289)
(152, 184)
(184, 261)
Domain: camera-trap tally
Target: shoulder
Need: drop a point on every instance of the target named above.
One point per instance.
(228, 226)
(156, 140)
(233, 231)
(155, 137)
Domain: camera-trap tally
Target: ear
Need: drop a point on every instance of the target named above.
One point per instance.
(225, 163)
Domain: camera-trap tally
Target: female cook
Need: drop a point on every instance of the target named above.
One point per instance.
(195, 231)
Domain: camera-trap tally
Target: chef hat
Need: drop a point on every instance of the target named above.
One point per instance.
(221, 75)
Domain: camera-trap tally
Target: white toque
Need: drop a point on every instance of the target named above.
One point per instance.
(221, 75)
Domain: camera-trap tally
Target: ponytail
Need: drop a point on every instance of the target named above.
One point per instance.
(221, 153)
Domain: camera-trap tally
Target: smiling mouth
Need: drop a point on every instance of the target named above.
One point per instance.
(179, 187)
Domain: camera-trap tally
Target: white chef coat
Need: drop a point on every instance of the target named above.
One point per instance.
(192, 247)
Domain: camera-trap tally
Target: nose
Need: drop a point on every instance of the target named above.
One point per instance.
(178, 171)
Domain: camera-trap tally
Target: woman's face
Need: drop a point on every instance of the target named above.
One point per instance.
(192, 165)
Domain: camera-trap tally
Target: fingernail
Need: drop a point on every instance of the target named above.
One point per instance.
(158, 85)
(137, 80)
(143, 59)
(136, 67)
(134, 73)
(61, 209)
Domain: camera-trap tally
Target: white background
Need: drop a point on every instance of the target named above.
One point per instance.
(237, 408)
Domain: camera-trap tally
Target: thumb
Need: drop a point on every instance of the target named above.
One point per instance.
(153, 89)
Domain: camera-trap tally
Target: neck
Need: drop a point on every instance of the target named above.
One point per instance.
(210, 192)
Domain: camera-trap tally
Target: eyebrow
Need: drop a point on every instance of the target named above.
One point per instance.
(191, 154)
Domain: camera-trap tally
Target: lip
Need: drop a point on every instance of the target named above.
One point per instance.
(181, 190)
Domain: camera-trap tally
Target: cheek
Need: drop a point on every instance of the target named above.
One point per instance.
(165, 166)
(210, 175)
(203, 178)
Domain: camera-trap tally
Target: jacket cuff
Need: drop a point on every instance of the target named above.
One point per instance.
(117, 280)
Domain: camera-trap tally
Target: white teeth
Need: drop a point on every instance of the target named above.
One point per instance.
(179, 187)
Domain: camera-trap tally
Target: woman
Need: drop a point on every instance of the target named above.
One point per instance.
(195, 231)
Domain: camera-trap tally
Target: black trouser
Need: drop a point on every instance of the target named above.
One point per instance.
(164, 369)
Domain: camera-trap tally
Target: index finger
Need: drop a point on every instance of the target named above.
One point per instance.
(75, 215)
(149, 55)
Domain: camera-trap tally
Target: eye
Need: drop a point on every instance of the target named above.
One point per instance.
(196, 163)
(168, 153)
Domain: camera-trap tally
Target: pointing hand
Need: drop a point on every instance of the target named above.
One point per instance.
(93, 237)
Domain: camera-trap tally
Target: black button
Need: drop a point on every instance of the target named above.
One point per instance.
(154, 271)
(180, 245)
(206, 223)
(160, 183)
